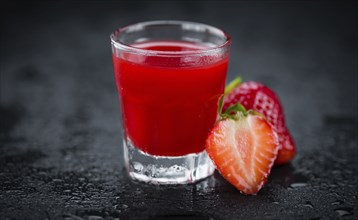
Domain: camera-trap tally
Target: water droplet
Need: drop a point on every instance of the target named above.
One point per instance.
(276, 203)
(75, 198)
(138, 191)
(296, 185)
(71, 217)
(338, 202)
(95, 217)
(335, 194)
(125, 206)
(117, 208)
(336, 172)
(332, 185)
(67, 191)
(344, 211)
(57, 180)
(39, 173)
(309, 204)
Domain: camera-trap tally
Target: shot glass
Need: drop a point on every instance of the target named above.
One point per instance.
(170, 76)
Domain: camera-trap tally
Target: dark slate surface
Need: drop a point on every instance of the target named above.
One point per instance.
(61, 152)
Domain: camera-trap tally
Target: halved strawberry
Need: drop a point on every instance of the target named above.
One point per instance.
(243, 146)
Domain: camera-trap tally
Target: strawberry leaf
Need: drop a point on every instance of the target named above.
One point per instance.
(221, 104)
(232, 85)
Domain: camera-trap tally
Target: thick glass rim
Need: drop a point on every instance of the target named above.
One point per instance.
(125, 47)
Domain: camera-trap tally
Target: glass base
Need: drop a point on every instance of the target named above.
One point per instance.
(166, 170)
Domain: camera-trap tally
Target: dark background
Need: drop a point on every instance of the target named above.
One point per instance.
(60, 141)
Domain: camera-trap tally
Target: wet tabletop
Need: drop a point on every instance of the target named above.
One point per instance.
(60, 140)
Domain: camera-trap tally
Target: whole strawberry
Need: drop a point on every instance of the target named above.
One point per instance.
(255, 96)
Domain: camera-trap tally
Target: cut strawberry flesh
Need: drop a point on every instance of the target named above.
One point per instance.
(243, 151)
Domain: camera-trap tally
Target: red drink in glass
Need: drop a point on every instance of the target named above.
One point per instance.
(169, 106)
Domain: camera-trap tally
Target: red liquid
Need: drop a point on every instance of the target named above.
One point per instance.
(169, 106)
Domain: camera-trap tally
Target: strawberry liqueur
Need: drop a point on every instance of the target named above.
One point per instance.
(169, 107)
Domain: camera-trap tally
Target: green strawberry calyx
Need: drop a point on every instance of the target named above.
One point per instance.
(237, 110)
(233, 112)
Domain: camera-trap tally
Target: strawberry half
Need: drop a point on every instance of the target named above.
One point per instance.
(243, 147)
(260, 98)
